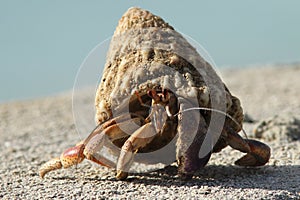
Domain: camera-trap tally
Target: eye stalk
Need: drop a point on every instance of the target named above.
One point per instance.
(157, 98)
(162, 97)
(160, 110)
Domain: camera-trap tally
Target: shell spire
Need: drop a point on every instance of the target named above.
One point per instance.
(136, 18)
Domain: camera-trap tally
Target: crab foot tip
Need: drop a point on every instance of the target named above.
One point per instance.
(185, 177)
(121, 175)
(50, 166)
(258, 156)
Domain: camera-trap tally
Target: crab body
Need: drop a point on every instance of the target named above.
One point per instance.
(152, 80)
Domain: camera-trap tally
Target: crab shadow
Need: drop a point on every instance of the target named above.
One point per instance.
(266, 177)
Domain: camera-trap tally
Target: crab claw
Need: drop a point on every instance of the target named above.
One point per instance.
(68, 158)
(259, 154)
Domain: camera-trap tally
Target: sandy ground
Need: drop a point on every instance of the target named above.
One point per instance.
(32, 132)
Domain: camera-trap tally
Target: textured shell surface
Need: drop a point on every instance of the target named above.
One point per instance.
(147, 53)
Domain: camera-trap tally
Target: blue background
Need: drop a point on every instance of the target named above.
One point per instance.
(43, 43)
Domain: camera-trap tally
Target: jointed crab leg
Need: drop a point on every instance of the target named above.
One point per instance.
(114, 132)
(69, 157)
(88, 150)
(111, 122)
(258, 153)
(192, 130)
(140, 138)
(155, 124)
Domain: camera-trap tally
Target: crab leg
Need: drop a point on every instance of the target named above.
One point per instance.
(114, 132)
(101, 127)
(192, 130)
(258, 153)
(88, 149)
(140, 138)
(69, 157)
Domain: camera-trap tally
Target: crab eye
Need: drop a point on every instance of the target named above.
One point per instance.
(154, 96)
(165, 95)
(165, 92)
(150, 93)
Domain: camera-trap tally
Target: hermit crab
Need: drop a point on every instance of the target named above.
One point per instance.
(158, 101)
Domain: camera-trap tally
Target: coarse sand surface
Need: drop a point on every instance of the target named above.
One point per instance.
(34, 131)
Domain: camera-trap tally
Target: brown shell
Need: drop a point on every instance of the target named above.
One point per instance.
(143, 44)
